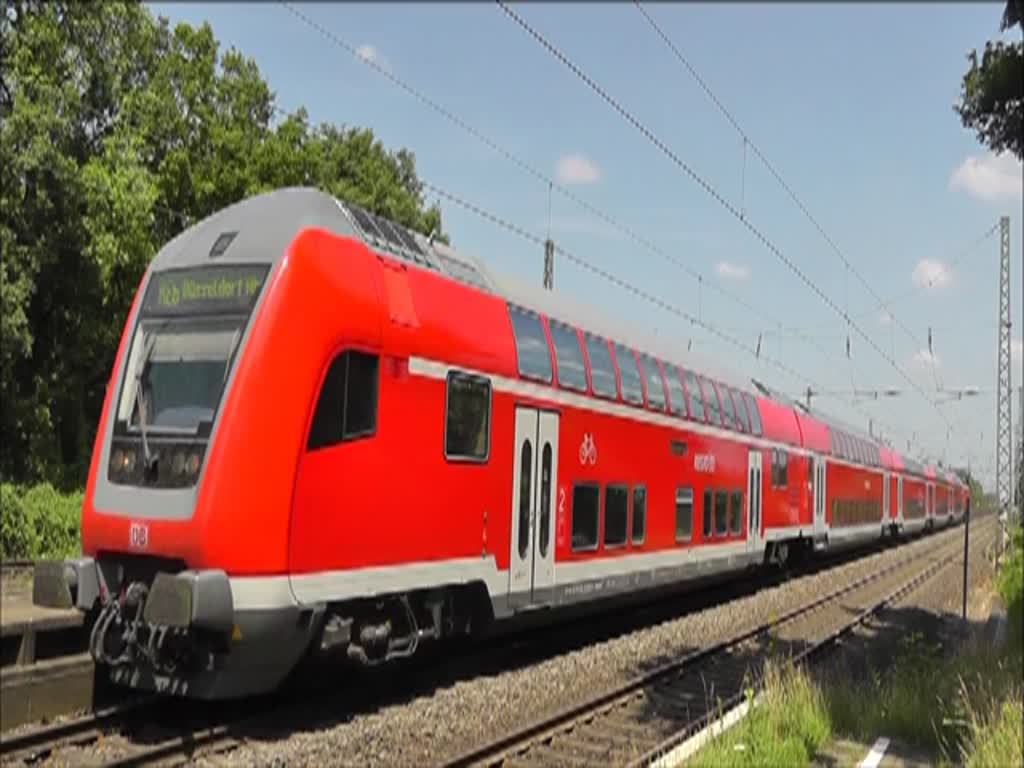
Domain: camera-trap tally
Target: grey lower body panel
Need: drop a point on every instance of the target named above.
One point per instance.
(269, 644)
(179, 633)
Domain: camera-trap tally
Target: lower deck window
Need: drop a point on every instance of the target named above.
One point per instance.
(347, 406)
(736, 512)
(585, 502)
(616, 515)
(705, 513)
(639, 514)
(684, 514)
(721, 513)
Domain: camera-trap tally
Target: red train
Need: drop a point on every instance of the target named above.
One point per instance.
(326, 434)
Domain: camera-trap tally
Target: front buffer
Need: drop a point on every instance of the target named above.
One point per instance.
(178, 633)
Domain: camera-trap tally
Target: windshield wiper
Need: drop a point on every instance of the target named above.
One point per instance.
(140, 403)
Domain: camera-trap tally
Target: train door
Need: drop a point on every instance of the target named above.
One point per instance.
(819, 496)
(886, 512)
(754, 505)
(929, 501)
(534, 485)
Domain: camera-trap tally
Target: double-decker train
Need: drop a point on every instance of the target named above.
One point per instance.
(325, 434)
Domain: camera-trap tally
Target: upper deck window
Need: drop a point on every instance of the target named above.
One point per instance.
(730, 415)
(711, 397)
(602, 371)
(741, 410)
(531, 345)
(572, 373)
(655, 386)
(632, 389)
(697, 412)
(755, 415)
(676, 394)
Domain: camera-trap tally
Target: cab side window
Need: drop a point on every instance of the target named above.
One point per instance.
(347, 406)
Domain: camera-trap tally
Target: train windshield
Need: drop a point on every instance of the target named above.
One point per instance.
(192, 322)
(181, 365)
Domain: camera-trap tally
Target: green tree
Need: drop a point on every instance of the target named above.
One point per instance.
(992, 92)
(118, 131)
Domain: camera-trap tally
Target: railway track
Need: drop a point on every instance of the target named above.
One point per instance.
(645, 719)
(184, 732)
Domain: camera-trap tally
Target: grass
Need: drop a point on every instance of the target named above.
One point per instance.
(965, 710)
(786, 728)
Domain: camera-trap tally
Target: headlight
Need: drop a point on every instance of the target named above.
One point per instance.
(115, 461)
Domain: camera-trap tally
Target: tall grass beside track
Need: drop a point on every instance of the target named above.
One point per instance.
(965, 709)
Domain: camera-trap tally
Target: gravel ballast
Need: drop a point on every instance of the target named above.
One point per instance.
(451, 719)
(423, 728)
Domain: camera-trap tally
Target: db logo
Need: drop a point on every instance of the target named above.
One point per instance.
(588, 450)
(138, 536)
(704, 462)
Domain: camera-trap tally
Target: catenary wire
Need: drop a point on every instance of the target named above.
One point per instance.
(713, 193)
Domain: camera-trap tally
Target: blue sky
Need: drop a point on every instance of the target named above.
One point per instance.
(852, 104)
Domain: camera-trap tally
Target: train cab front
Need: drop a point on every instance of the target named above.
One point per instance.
(165, 499)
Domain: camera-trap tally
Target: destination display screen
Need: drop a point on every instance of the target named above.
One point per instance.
(205, 290)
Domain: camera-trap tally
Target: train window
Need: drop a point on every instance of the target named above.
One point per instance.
(721, 513)
(616, 515)
(676, 393)
(741, 411)
(632, 389)
(639, 514)
(602, 372)
(783, 469)
(531, 345)
(545, 498)
(525, 496)
(711, 398)
(696, 398)
(684, 514)
(730, 415)
(755, 415)
(655, 385)
(736, 512)
(572, 373)
(705, 513)
(585, 502)
(347, 406)
(467, 427)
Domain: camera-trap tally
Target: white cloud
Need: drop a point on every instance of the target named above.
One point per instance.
(732, 271)
(989, 177)
(884, 317)
(577, 169)
(372, 55)
(1016, 357)
(926, 358)
(931, 274)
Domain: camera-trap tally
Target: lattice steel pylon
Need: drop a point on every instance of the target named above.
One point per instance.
(1004, 392)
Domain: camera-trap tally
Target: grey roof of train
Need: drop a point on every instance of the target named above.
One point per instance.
(268, 222)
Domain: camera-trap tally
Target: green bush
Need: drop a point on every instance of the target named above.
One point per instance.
(18, 539)
(39, 522)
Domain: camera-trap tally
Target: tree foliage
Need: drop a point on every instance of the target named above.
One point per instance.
(992, 92)
(117, 131)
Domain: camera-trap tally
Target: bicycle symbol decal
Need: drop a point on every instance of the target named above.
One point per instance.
(588, 450)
